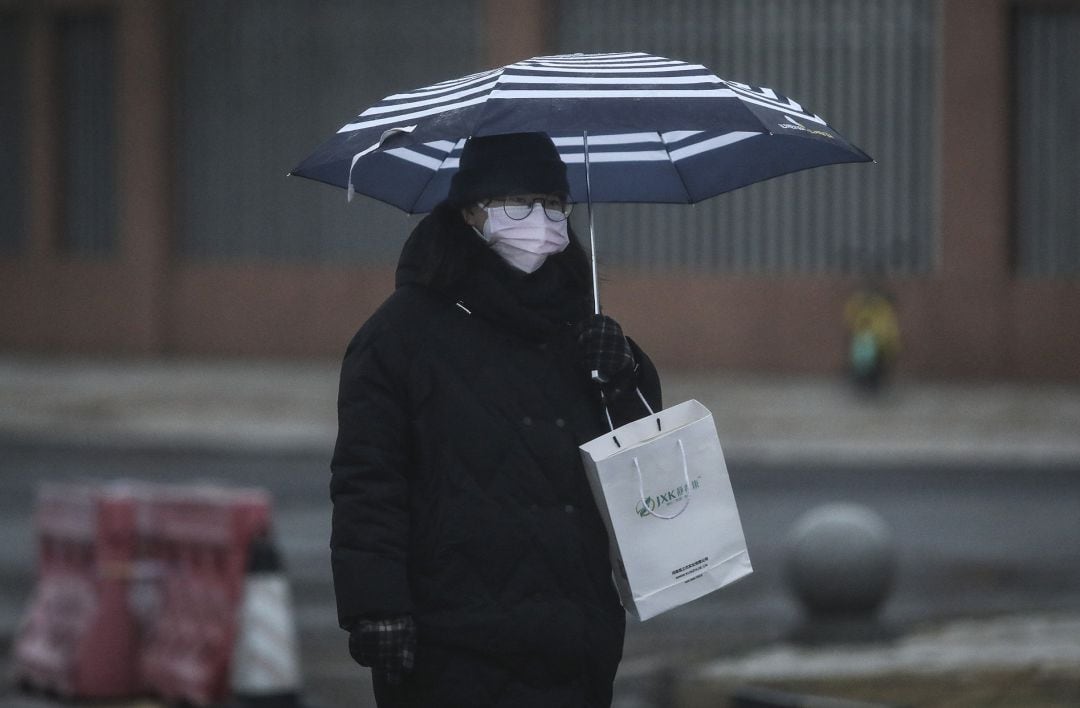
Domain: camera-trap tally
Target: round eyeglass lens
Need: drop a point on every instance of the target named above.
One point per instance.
(555, 209)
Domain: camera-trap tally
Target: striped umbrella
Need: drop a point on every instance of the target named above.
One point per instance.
(631, 127)
(649, 129)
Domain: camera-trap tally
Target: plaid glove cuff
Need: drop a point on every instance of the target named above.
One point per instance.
(388, 646)
(603, 347)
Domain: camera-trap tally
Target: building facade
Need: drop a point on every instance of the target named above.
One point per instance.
(147, 212)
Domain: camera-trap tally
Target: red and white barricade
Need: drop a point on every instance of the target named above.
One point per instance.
(140, 590)
(78, 638)
(198, 539)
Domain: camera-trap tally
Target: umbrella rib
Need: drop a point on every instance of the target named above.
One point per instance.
(434, 174)
(675, 167)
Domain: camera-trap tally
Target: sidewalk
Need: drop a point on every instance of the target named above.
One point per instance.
(1029, 662)
(261, 405)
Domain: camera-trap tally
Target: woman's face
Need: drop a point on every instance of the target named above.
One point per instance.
(518, 207)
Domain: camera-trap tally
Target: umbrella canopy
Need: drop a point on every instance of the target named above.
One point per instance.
(653, 129)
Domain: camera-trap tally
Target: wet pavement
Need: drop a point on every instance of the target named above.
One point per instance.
(260, 405)
(980, 482)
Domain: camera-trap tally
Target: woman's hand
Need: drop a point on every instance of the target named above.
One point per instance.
(604, 349)
(388, 646)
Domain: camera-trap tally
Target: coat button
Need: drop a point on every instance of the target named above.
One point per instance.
(560, 423)
(569, 508)
(526, 420)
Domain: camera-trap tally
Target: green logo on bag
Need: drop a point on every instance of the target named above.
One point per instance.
(662, 500)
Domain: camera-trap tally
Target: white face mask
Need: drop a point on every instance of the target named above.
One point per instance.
(527, 243)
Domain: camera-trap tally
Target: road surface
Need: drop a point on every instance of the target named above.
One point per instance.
(970, 542)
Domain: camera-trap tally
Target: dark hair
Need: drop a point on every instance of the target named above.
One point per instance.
(443, 250)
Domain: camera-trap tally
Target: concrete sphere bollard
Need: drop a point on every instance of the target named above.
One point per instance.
(841, 561)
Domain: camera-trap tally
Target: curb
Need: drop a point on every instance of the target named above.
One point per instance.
(313, 440)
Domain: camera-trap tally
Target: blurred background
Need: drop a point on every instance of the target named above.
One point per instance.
(173, 307)
(147, 210)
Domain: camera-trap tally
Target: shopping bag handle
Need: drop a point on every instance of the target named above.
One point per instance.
(640, 395)
(641, 485)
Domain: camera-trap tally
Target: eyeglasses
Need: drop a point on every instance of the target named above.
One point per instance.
(518, 208)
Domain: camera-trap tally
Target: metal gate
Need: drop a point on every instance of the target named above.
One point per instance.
(262, 82)
(867, 66)
(1047, 143)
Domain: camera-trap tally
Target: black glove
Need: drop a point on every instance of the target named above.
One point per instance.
(388, 646)
(606, 351)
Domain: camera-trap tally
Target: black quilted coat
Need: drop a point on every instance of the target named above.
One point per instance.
(459, 495)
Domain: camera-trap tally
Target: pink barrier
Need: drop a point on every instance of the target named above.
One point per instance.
(139, 590)
(78, 638)
(199, 539)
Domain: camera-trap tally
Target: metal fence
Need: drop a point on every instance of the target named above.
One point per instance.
(263, 82)
(12, 138)
(869, 67)
(87, 163)
(1047, 145)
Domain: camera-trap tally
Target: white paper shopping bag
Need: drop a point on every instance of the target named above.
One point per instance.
(662, 488)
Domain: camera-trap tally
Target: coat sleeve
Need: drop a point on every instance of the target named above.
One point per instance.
(369, 536)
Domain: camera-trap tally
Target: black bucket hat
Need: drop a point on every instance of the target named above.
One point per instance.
(512, 163)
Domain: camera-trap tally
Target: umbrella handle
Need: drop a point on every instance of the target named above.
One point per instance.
(592, 245)
(592, 231)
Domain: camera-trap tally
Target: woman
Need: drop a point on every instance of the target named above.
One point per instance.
(470, 563)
